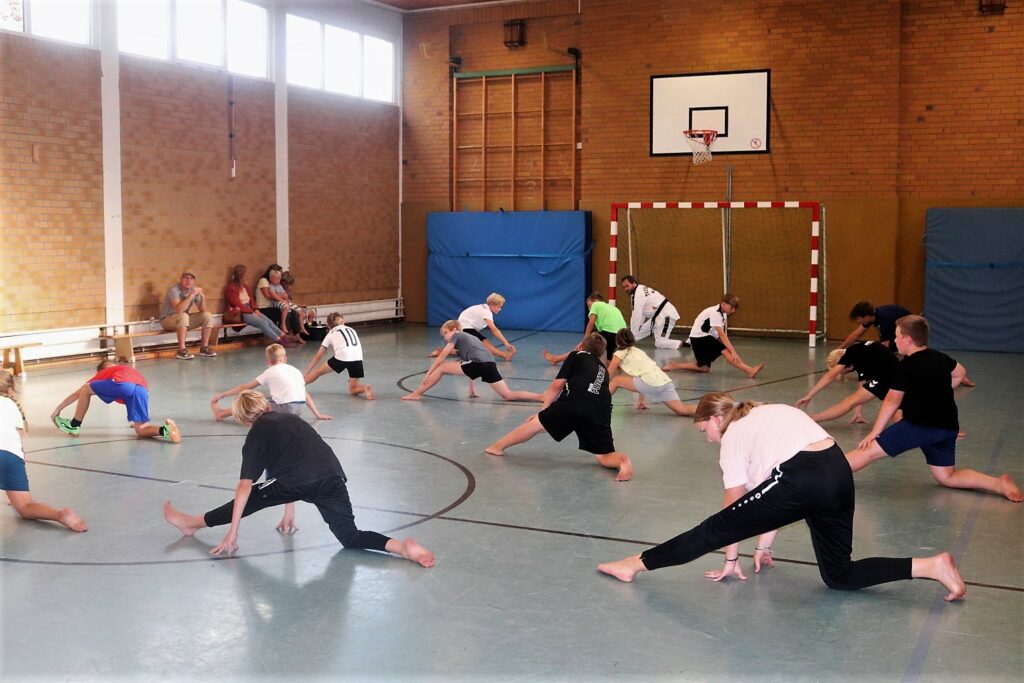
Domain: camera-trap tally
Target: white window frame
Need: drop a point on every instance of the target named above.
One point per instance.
(26, 22)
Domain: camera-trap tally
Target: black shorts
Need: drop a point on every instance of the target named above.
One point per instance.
(876, 388)
(706, 350)
(594, 437)
(488, 372)
(475, 333)
(609, 347)
(354, 367)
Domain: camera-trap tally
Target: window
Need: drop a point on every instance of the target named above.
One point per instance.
(305, 52)
(12, 15)
(144, 28)
(338, 60)
(199, 31)
(247, 39)
(204, 32)
(341, 61)
(378, 69)
(67, 20)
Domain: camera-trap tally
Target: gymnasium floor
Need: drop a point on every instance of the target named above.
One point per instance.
(515, 594)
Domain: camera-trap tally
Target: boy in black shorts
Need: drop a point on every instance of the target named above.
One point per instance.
(583, 406)
(921, 387)
(475, 362)
(300, 466)
(346, 355)
(875, 366)
(709, 340)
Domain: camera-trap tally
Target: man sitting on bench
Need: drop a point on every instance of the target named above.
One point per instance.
(174, 315)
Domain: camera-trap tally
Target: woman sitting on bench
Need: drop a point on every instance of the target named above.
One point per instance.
(239, 299)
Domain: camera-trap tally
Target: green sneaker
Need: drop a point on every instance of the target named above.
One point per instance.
(172, 433)
(64, 425)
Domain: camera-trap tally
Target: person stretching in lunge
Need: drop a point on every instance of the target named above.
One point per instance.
(652, 314)
(347, 355)
(778, 467)
(604, 318)
(642, 375)
(300, 466)
(113, 382)
(477, 319)
(709, 340)
(475, 362)
(921, 388)
(13, 477)
(285, 383)
(583, 405)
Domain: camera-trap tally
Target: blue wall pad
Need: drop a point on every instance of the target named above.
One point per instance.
(538, 260)
(974, 279)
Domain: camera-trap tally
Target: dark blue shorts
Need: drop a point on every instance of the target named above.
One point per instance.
(134, 396)
(939, 445)
(13, 476)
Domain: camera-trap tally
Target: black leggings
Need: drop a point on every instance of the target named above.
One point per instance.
(330, 497)
(814, 486)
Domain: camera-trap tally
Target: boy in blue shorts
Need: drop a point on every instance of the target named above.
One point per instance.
(921, 388)
(123, 384)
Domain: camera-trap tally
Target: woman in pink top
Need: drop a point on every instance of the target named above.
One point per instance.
(778, 467)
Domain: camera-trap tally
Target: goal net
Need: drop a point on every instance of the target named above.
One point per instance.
(693, 252)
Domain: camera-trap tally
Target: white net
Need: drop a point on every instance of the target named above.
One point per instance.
(687, 255)
(700, 142)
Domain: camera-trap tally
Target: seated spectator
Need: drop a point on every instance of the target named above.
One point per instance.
(238, 297)
(174, 314)
(273, 301)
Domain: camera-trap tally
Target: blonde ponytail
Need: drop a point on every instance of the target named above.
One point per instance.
(722, 405)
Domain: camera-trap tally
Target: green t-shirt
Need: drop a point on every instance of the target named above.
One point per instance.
(609, 318)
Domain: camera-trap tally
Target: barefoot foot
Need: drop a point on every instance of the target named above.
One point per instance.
(755, 371)
(625, 469)
(550, 357)
(947, 574)
(179, 520)
(623, 570)
(414, 552)
(1008, 487)
(494, 450)
(369, 393)
(412, 397)
(72, 521)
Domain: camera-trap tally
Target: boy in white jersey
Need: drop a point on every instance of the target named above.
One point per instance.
(285, 383)
(348, 355)
(709, 340)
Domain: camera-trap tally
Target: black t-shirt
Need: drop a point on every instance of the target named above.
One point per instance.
(586, 387)
(871, 361)
(928, 399)
(289, 449)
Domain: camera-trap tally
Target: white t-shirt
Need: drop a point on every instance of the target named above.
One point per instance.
(344, 342)
(284, 382)
(706, 322)
(476, 317)
(635, 363)
(261, 299)
(767, 437)
(10, 422)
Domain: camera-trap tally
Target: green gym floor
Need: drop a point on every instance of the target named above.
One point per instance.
(514, 594)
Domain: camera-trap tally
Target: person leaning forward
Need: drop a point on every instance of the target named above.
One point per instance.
(175, 315)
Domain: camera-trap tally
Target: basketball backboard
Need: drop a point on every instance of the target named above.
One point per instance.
(734, 103)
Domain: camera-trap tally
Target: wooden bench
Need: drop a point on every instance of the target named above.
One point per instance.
(19, 366)
(124, 343)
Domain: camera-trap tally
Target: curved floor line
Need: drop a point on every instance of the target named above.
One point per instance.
(466, 493)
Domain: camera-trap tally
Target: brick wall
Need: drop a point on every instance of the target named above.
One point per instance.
(181, 207)
(51, 189)
(343, 198)
(850, 119)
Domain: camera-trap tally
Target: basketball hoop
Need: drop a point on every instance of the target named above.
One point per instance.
(700, 142)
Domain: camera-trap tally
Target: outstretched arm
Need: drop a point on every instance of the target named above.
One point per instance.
(72, 397)
(853, 336)
(230, 543)
(316, 360)
(235, 391)
(552, 392)
(958, 375)
(889, 407)
(312, 407)
(723, 337)
(591, 321)
(497, 333)
(830, 376)
(732, 551)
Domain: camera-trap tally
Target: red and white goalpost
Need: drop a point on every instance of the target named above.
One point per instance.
(814, 229)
